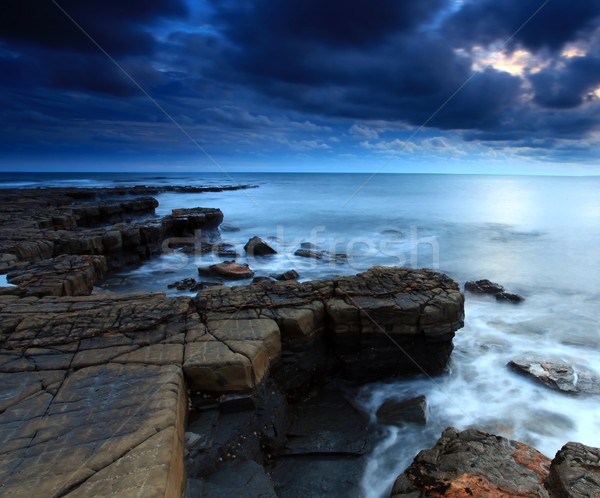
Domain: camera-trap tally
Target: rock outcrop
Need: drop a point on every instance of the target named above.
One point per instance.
(557, 375)
(496, 290)
(575, 471)
(474, 463)
(258, 247)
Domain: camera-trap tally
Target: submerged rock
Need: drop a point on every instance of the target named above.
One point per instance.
(509, 297)
(474, 464)
(557, 375)
(401, 412)
(227, 269)
(287, 275)
(258, 247)
(483, 287)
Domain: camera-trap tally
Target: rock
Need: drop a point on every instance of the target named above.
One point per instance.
(509, 297)
(226, 227)
(189, 284)
(483, 287)
(309, 245)
(227, 269)
(317, 428)
(473, 463)
(259, 280)
(61, 276)
(575, 471)
(393, 233)
(287, 275)
(89, 436)
(258, 247)
(310, 253)
(245, 478)
(320, 255)
(401, 412)
(381, 322)
(557, 375)
(319, 476)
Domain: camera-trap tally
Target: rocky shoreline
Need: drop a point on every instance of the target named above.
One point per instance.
(237, 389)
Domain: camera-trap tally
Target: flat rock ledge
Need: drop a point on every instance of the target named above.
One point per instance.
(473, 463)
(94, 389)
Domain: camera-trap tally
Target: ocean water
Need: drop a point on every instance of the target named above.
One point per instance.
(537, 236)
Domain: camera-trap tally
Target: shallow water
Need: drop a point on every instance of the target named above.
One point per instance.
(538, 236)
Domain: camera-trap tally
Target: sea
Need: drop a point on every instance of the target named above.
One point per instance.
(537, 236)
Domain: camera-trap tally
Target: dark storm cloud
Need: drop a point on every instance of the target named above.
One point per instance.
(556, 23)
(387, 68)
(568, 85)
(338, 22)
(119, 26)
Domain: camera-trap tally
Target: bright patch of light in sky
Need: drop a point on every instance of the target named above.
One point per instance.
(515, 63)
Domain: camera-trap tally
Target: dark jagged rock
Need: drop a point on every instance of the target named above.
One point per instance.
(401, 412)
(190, 284)
(557, 375)
(258, 247)
(575, 472)
(509, 297)
(321, 255)
(473, 463)
(227, 269)
(287, 275)
(483, 287)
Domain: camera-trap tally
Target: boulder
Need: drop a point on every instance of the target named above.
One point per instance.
(557, 375)
(227, 269)
(483, 287)
(401, 412)
(474, 463)
(287, 275)
(509, 297)
(575, 471)
(258, 247)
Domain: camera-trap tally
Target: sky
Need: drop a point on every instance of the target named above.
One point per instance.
(450, 86)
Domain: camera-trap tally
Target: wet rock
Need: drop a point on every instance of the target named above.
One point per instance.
(227, 269)
(309, 245)
(483, 287)
(191, 285)
(287, 275)
(226, 227)
(397, 234)
(474, 463)
(509, 297)
(258, 247)
(401, 412)
(235, 478)
(320, 255)
(259, 280)
(317, 428)
(557, 375)
(322, 475)
(575, 471)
